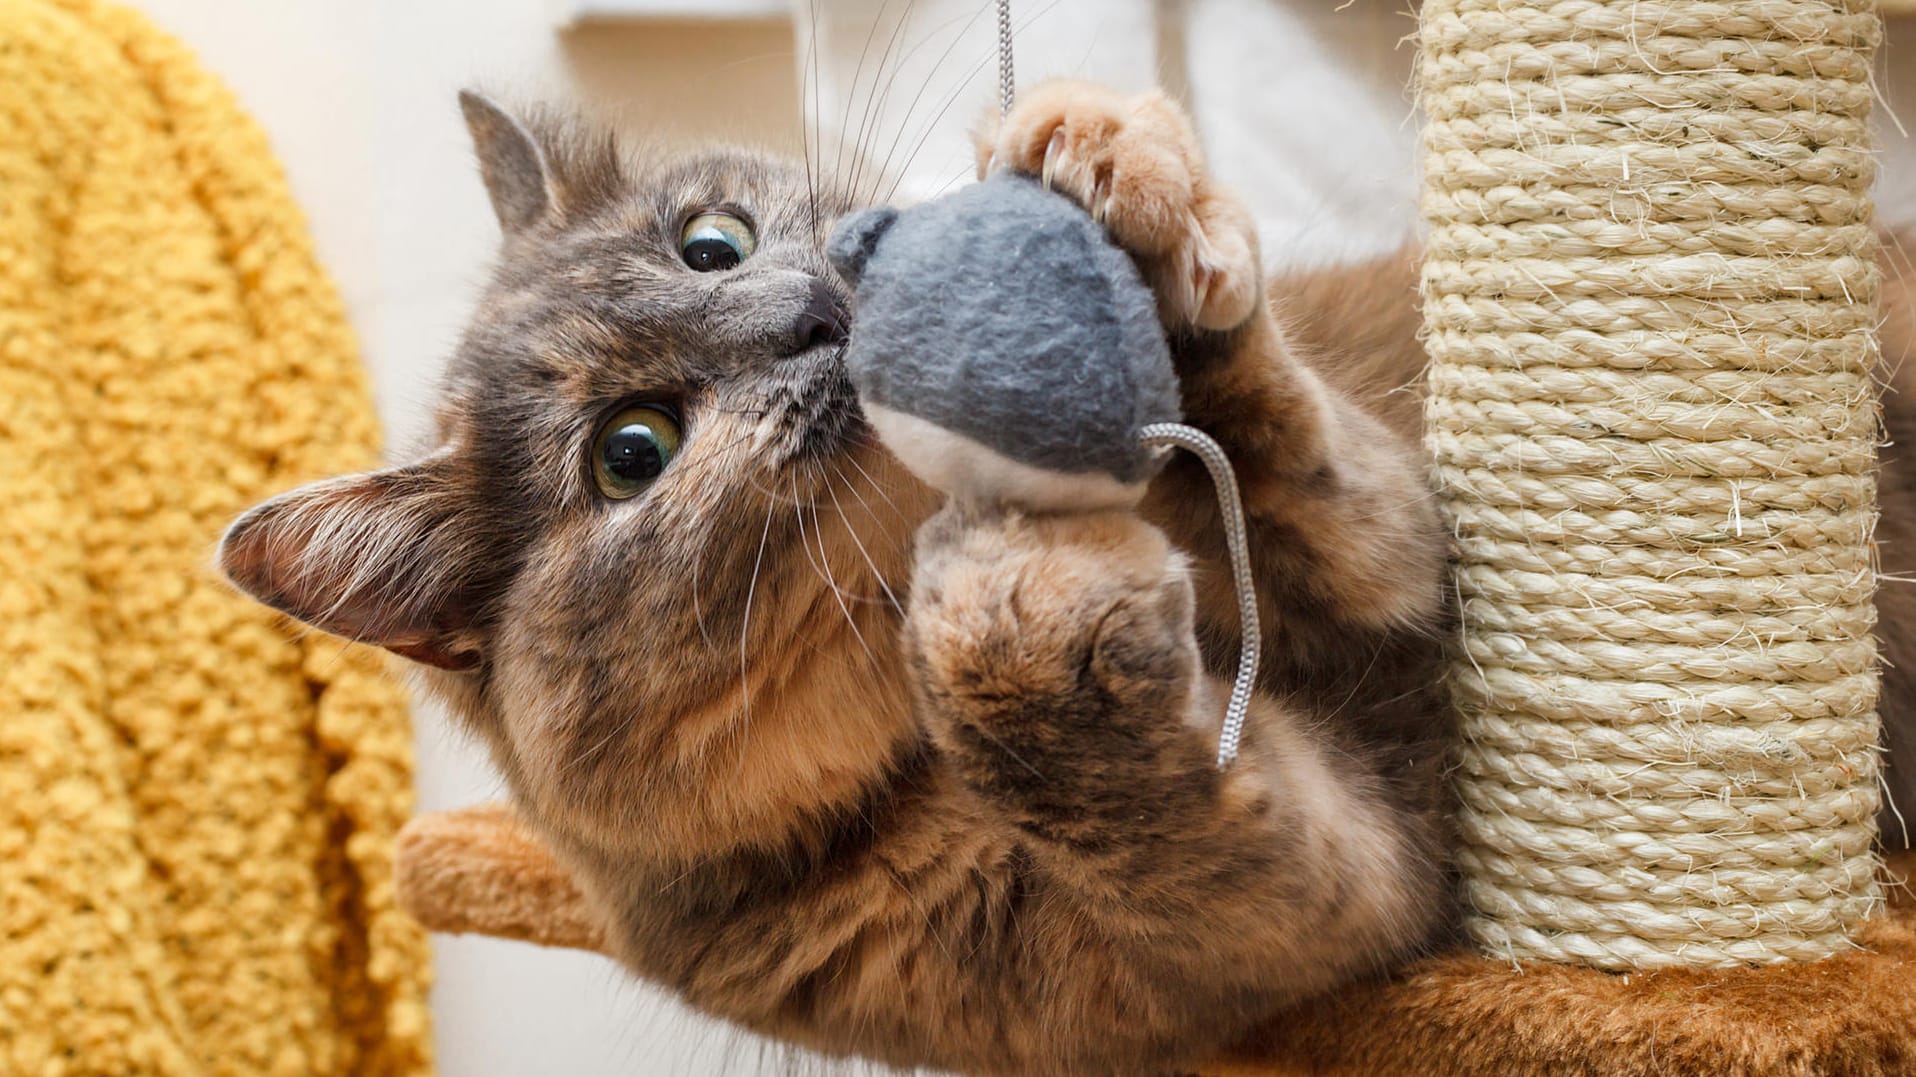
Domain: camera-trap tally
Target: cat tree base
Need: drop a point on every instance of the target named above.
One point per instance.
(1853, 1015)
(1850, 1015)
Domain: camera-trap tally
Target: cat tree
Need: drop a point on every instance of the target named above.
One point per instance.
(1650, 299)
(1650, 296)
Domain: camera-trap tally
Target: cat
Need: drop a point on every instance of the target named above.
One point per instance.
(922, 784)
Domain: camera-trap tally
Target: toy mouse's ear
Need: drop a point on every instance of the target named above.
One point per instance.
(855, 238)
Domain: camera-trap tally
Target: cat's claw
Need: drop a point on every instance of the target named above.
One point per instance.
(1101, 201)
(1061, 173)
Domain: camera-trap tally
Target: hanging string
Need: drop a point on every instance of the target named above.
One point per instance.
(1237, 541)
(1230, 505)
(1004, 58)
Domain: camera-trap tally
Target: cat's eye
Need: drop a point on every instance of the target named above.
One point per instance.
(716, 241)
(632, 449)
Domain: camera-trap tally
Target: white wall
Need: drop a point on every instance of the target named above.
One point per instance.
(1302, 101)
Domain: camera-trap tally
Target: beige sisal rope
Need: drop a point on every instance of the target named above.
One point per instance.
(1650, 302)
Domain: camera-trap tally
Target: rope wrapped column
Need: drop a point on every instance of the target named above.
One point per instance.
(1649, 294)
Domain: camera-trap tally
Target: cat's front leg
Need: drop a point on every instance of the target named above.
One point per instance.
(1167, 904)
(1345, 536)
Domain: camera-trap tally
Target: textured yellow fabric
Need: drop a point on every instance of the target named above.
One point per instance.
(197, 807)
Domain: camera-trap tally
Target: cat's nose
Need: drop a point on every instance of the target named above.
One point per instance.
(823, 320)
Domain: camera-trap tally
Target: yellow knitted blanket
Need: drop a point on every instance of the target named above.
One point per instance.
(197, 807)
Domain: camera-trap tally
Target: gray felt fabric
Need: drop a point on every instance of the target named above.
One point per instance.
(1002, 313)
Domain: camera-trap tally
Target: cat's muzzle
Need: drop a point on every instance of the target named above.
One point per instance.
(824, 320)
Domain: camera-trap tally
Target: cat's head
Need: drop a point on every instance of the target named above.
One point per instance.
(651, 496)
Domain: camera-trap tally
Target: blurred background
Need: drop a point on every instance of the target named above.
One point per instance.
(1303, 104)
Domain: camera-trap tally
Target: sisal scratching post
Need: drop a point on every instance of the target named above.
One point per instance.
(1651, 303)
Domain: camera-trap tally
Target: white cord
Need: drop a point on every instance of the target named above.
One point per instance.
(1004, 57)
(1231, 506)
(1237, 541)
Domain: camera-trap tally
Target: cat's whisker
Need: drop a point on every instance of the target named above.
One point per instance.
(805, 544)
(822, 479)
(852, 532)
(918, 907)
(813, 181)
(904, 122)
(876, 488)
(745, 621)
(851, 95)
(774, 499)
(698, 608)
(1357, 683)
(823, 569)
(925, 132)
(1390, 509)
(951, 99)
(929, 127)
(591, 753)
(945, 186)
(813, 168)
(872, 117)
(743, 436)
(1006, 748)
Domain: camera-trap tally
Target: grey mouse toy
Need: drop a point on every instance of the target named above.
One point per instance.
(1004, 349)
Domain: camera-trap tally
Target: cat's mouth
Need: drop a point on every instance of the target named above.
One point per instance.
(821, 416)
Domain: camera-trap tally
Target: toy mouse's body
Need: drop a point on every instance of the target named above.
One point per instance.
(1006, 350)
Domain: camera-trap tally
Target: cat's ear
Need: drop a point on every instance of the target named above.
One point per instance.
(384, 558)
(855, 238)
(518, 177)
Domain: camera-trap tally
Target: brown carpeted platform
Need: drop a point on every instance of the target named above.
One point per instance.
(1854, 1015)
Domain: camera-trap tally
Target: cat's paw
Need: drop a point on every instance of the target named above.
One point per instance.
(1135, 164)
(1056, 664)
(1009, 610)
